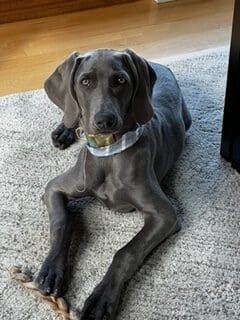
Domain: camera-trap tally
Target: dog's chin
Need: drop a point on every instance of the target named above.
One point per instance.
(106, 133)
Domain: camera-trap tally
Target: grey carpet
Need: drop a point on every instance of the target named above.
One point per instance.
(193, 275)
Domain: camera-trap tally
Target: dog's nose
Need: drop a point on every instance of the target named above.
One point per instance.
(105, 120)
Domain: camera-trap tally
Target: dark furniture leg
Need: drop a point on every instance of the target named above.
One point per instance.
(230, 146)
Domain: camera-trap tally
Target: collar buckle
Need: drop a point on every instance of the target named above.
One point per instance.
(79, 132)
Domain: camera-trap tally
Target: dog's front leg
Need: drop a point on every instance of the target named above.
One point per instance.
(160, 223)
(52, 275)
(63, 137)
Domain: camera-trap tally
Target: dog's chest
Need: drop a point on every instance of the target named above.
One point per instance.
(112, 193)
(108, 180)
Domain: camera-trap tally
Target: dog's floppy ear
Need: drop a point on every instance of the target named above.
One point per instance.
(60, 89)
(144, 78)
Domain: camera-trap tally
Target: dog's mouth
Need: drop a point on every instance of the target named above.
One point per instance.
(104, 138)
(100, 140)
(97, 133)
(107, 132)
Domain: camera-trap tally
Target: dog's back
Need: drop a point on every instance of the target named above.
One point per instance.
(171, 120)
(168, 96)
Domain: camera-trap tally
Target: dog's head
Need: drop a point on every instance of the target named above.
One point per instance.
(102, 90)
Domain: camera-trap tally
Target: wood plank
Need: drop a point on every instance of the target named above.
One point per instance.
(30, 50)
(16, 10)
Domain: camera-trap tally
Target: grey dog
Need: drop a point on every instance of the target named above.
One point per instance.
(113, 95)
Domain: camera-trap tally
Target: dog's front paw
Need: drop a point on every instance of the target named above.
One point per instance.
(103, 302)
(63, 137)
(51, 278)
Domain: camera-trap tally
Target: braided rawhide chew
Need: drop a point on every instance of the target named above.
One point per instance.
(58, 304)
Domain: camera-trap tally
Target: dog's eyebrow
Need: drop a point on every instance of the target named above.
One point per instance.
(119, 73)
(89, 74)
(116, 65)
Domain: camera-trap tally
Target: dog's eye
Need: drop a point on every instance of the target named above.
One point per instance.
(121, 80)
(85, 82)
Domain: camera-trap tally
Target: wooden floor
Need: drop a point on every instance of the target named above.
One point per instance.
(30, 50)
